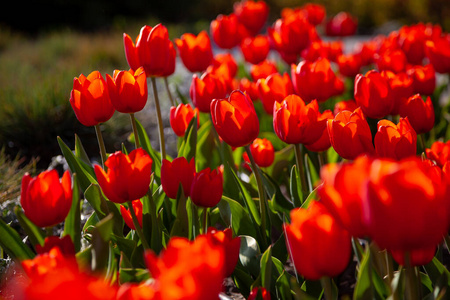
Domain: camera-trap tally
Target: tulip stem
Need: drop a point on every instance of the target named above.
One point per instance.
(137, 226)
(327, 287)
(422, 142)
(101, 144)
(168, 91)
(301, 170)
(136, 135)
(412, 282)
(261, 192)
(49, 231)
(205, 220)
(160, 122)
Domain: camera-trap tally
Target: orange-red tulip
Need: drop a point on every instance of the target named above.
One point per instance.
(395, 141)
(46, 200)
(195, 51)
(273, 89)
(207, 188)
(230, 246)
(349, 64)
(439, 152)
(392, 60)
(126, 214)
(252, 14)
(262, 151)
(226, 31)
(315, 13)
(424, 79)
(175, 173)
(249, 87)
(438, 52)
(90, 99)
(127, 177)
(342, 24)
(317, 244)
(263, 70)
(417, 257)
(206, 88)
(323, 142)
(64, 244)
(181, 116)
(235, 119)
(128, 90)
(420, 113)
(401, 88)
(345, 105)
(255, 49)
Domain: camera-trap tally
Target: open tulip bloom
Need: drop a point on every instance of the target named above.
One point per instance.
(297, 167)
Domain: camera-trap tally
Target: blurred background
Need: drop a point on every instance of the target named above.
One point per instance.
(45, 44)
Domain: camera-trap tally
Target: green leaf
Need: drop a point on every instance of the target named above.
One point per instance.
(133, 275)
(146, 145)
(80, 152)
(12, 244)
(250, 204)
(364, 285)
(294, 188)
(35, 234)
(279, 202)
(189, 145)
(240, 220)
(101, 235)
(266, 268)
(249, 254)
(72, 223)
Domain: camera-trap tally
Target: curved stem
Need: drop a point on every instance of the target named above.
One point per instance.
(301, 170)
(101, 144)
(136, 135)
(137, 226)
(327, 287)
(166, 83)
(160, 122)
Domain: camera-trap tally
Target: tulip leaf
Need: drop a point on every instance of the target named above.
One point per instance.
(251, 206)
(313, 176)
(436, 270)
(206, 155)
(364, 284)
(240, 220)
(188, 147)
(80, 152)
(72, 223)
(294, 188)
(35, 234)
(11, 243)
(146, 145)
(266, 268)
(133, 275)
(249, 253)
(279, 202)
(101, 235)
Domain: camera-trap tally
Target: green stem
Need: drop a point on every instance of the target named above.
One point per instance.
(322, 158)
(160, 122)
(422, 142)
(137, 227)
(205, 220)
(412, 282)
(101, 144)
(301, 170)
(166, 83)
(327, 287)
(155, 240)
(49, 231)
(135, 132)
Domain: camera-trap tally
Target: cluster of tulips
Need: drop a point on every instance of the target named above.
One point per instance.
(296, 161)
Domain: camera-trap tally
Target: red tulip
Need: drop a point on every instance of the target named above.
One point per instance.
(395, 141)
(401, 88)
(420, 113)
(344, 105)
(225, 67)
(392, 60)
(342, 24)
(439, 152)
(263, 152)
(317, 244)
(350, 134)
(255, 49)
(417, 257)
(225, 31)
(235, 119)
(126, 214)
(316, 80)
(424, 79)
(206, 88)
(181, 116)
(295, 122)
(207, 188)
(175, 173)
(315, 13)
(263, 70)
(90, 100)
(230, 246)
(273, 89)
(438, 52)
(265, 295)
(249, 87)
(128, 90)
(195, 51)
(64, 244)
(45, 199)
(349, 65)
(252, 14)
(323, 142)
(412, 41)
(373, 94)
(128, 176)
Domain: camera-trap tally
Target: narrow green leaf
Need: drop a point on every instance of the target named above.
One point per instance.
(12, 244)
(188, 147)
(249, 254)
(35, 234)
(266, 268)
(294, 188)
(240, 219)
(80, 152)
(146, 145)
(72, 223)
(364, 285)
(251, 206)
(101, 235)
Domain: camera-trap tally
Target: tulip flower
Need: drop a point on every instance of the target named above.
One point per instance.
(181, 116)
(417, 257)
(207, 188)
(206, 88)
(262, 151)
(175, 173)
(350, 134)
(64, 244)
(420, 113)
(226, 31)
(373, 94)
(128, 176)
(263, 70)
(126, 214)
(295, 122)
(317, 244)
(252, 14)
(128, 90)
(344, 105)
(265, 295)
(412, 42)
(316, 80)
(323, 142)
(315, 13)
(395, 141)
(438, 52)
(225, 67)
(45, 199)
(249, 87)
(230, 246)
(439, 152)
(342, 24)
(392, 60)
(349, 65)
(235, 119)
(195, 51)
(424, 79)
(255, 49)
(401, 88)
(90, 99)
(274, 88)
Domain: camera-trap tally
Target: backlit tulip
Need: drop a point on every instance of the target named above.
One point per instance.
(195, 51)
(249, 87)
(323, 142)
(438, 52)
(412, 41)
(349, 65)
(175, 173)
(126, 214)
(424, 79)
(315, 13)
(252, 14)
(255, 49)
(344, 105)
(392, 60)
(90, 99)
(45, 199)
(342, 24)
(350, 134)
(316, 80)
(295, 122)
(225, 67)
(230, 246)
(373, 94)
(263, 152)
(128, 90)
(181, 116)
(439, 152)
(207, 188)
(235, 119)
(127, 177)
(206, 88)
(420, 113)
(263, 70)
(274, 88)
(401, 88)
(225, 31)
(317, 244)
(395, 141)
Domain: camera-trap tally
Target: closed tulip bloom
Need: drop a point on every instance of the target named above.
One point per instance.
(349, 65)
(175, 173)
(225, 67)
(401, 88)
(230, 246)
(195, 51)
(181, 116)
(350, 134)
(46, 200)
(128, 176)
(342, 24)
(373, 94)
(207, 188)
(249, 87)
(424, 79)
(263, 152)
(128, 90)
(225, 31)
(438, 52)
(314, 12)
(126, 214)
(273, 89)
(263, 70)
(317, 244)
(412, 41)
(206, 88)
(255, 49)
(393, 60)
(344, 105)
(316, 80)
(420, 113)
(235, 119)
(64, 244)
(395, 141)
(417, 257)
(439, 152)
(252, 14)
(323, 142)
(90, 99)
(295, 122)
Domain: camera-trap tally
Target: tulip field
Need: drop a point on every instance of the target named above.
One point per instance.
(304, 169)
